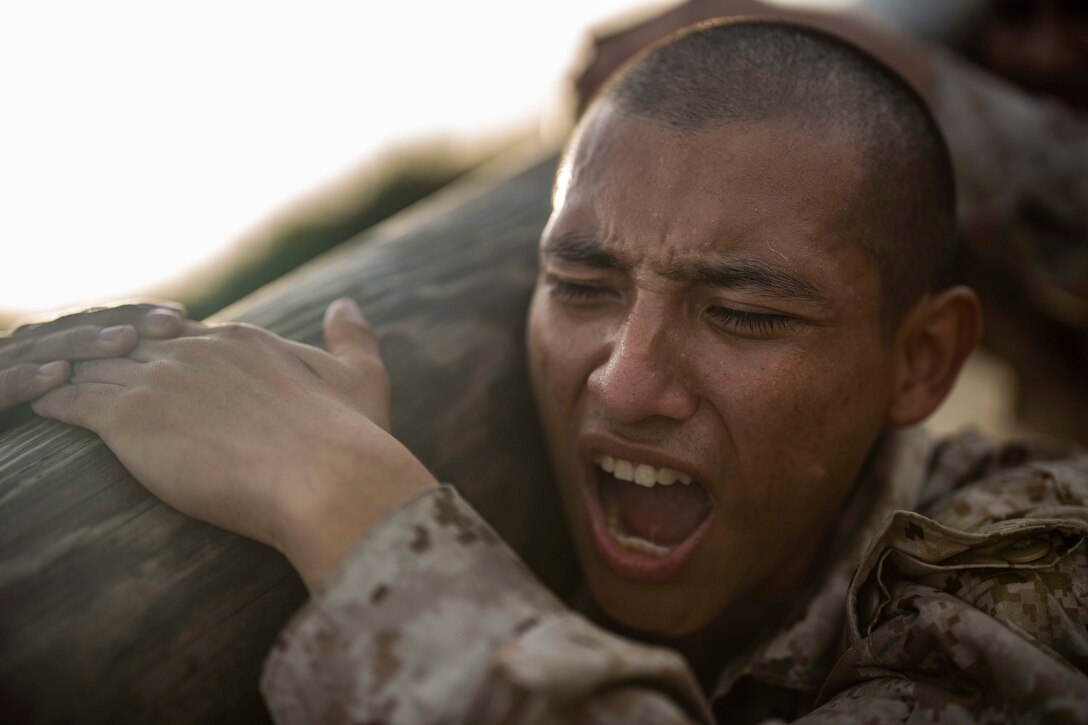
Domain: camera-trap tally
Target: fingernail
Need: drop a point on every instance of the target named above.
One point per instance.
(346, 307)
(162, 316)
(49, 369)
(111, 333)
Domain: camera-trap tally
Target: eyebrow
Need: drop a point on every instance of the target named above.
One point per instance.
(578, 248)
(753, 275)
(749, 274)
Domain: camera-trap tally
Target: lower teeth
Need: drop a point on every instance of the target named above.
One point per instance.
(633, 543)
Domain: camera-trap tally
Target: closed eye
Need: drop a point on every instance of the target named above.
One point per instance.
(576, 291)
(753, 323)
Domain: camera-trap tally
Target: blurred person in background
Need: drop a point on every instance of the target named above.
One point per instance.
(1008, 83)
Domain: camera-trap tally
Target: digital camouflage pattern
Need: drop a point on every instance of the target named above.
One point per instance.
(969, 604)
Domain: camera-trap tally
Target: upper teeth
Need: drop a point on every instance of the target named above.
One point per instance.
(641, 473)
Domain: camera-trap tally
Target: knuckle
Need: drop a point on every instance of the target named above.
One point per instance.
(236, 331)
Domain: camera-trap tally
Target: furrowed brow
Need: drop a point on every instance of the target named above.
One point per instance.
(576, 248)
(752, 275)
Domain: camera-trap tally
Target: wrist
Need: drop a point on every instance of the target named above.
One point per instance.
(370, 477)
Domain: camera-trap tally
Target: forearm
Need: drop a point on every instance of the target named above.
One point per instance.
(433, 618)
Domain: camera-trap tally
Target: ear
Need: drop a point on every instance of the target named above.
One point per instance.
(930, 347)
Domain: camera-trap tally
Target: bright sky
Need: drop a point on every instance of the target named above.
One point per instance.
(139, 138)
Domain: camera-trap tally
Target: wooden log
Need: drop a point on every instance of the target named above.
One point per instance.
(117, 608)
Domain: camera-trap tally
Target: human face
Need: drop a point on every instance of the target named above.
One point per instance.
(703, 309)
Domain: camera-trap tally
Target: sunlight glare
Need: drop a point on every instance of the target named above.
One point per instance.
(140, 139)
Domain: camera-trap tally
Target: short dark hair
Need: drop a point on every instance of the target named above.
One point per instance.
(721, 72)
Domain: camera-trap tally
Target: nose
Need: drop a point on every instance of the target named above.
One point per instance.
(645, 374)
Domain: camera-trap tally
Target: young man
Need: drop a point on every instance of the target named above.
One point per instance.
(743, 304)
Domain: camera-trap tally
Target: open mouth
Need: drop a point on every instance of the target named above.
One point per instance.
(647, 518)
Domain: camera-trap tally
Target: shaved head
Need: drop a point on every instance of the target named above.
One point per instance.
(734, 72)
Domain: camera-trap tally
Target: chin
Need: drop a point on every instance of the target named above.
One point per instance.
(658, 610)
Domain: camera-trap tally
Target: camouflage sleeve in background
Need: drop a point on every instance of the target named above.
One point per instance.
(434, 619)
(1016, 155)
(1021, 166)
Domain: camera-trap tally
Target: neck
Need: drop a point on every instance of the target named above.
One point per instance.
(739, 630)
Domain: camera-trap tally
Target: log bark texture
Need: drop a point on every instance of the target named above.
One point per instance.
(116, 608)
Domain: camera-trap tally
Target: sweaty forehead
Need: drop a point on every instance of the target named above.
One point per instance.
(771, 190)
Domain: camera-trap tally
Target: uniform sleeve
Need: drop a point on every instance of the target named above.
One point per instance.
(976, 612)
(1021, 165)
(1012, 150)
(434, 619)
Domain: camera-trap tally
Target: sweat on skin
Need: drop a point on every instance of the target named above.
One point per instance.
(705, 307)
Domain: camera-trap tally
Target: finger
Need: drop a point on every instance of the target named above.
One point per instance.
(192, 329)
(115, 371)
(149, 350)
(351, 340)
(348, 336)
(84, 405)
(188, 328)
(23, 383)
(39, 324)
(161, 320)
(77, 343)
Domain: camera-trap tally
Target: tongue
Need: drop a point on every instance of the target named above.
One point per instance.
(661, 515)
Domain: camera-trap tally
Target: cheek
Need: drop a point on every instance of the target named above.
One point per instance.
(553, 376)
(789, 408)
(799, 430)
(561, 354)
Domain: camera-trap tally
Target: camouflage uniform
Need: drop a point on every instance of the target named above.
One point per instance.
(954, 589)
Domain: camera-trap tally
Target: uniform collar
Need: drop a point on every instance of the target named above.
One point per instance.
(799, 655)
